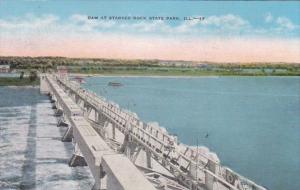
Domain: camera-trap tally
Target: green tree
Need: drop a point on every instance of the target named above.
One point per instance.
(22, 75)
(33, 76)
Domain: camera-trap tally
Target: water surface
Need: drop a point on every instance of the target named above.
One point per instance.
(252, 123)
(32, 155)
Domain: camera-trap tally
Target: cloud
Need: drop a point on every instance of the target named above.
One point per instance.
(285, 24)
(228, 21)
(268, 18)
(216, 38)
(228, 25)
(29, 21)
(188, 26)
(86, 24)
(145, 27)
(211, 25)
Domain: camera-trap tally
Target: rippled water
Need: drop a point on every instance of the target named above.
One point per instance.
(31, 153)
(252, 123)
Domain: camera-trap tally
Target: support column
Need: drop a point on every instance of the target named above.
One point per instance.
(101, 119)
(98, 185)
(77, 99)
(209, 179)
(77, 158)
(62, 122)
(58, 113)
(193, 170)
(136, 154)
(96, 117)
(114, 131)
(68, 135)
(87, 111)
(148, 157)
(54, 106)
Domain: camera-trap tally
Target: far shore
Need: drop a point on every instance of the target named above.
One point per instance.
(26, 86)
(18, 87)
(170, 76)
(17, 82)
(138, 76)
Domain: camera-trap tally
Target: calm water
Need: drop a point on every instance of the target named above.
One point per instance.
(252, 123)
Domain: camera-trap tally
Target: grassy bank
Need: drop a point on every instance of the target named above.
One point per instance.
(149, 67)
(181, 72)
(13, 81)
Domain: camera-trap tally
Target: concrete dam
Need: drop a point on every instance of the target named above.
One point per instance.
(125, 153)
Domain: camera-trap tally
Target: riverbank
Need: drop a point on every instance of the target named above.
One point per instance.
(121, 67)
(13, 81)
(167, 76)
(191, 73)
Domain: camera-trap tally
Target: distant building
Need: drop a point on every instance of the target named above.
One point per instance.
(4, 68)
(62, 71)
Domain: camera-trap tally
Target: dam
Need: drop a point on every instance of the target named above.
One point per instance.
(123, 152)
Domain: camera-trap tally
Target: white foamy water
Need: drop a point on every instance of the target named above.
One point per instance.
(32, 155)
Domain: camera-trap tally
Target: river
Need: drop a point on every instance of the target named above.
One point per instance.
(252, 123)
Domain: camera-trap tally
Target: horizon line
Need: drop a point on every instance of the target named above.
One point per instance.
(154, 59)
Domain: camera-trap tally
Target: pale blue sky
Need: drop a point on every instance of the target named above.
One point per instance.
(237, 31)
(271, 18)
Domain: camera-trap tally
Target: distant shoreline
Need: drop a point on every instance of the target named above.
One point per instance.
(141, 76)
(17, 82)
(171, 76)
(148, 68)
(25, 86)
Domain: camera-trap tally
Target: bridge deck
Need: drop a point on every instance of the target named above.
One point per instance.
(127, 175)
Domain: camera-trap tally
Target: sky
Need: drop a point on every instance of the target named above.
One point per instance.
(229, 31)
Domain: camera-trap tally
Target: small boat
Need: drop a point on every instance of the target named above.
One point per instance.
(79, 79)
(116, 84)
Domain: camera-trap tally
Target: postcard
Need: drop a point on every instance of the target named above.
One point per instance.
(149, 95)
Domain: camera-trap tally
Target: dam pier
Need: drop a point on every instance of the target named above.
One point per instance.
(125, 153)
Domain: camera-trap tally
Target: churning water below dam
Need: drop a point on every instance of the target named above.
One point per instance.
(32, 155)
